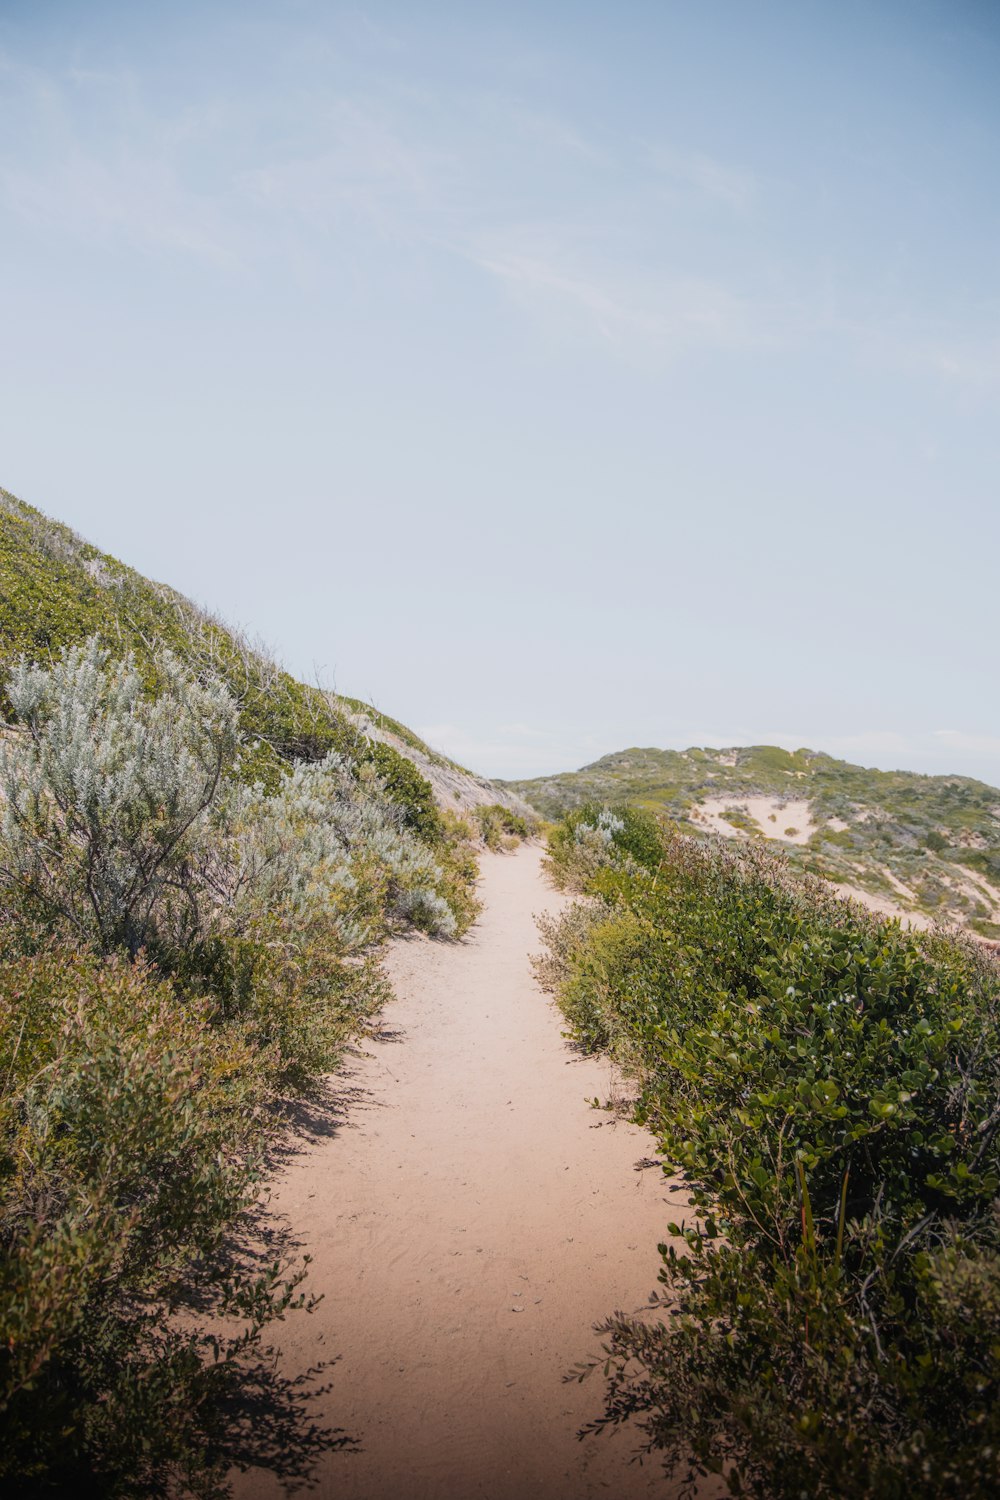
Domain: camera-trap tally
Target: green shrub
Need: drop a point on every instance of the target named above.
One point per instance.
(106, 789)
(459, 865)
(587, 837)
(405, 785)
(132, 1135)
(501, 828)
(118, 818)
(828, 1086)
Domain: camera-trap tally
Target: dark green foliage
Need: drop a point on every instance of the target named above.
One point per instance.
(828, 1086)
(132, 1137)
(589, 833)
(404, 784)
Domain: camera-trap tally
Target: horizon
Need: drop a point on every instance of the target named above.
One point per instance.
(553, 381)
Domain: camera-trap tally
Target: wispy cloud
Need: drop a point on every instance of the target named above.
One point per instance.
(88, 154)
(664, 311)
(555, 134)
(363, 164)
(133, 197)
(708, 177)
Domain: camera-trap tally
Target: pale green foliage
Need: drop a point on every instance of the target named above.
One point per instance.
(320, 841)
(501, 828)
(119, 820)
(106, 789)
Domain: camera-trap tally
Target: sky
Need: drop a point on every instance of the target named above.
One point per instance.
(558, 377)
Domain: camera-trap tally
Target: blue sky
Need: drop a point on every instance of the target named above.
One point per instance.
(559, 377)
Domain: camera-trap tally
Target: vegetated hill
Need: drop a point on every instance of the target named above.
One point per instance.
(925, 845)
(57, 590)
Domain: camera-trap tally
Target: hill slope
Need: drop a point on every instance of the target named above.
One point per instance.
(924, 845)
(57, 590)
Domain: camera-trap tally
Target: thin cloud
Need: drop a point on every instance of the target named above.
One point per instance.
(708, 177)
(664, 313)
(365, 167)
(557, 135)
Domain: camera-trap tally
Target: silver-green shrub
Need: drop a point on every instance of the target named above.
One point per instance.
(106, 788)
(120, 822)
(322, 842)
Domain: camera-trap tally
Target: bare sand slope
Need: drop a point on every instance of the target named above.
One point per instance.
(469, 1223)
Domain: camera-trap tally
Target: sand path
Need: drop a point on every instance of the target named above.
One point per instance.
(468, 1224)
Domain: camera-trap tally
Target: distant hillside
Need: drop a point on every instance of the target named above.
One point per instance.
(57, 590)
(928, 846)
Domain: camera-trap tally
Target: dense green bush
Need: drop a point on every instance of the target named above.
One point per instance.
(132, 1137)
(828, 1086)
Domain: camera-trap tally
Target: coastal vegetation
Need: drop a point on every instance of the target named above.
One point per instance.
(824, 1086)
(928, 845)
(199, 860)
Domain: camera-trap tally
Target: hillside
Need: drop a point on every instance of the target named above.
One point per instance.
(928, 846)
(57, 590)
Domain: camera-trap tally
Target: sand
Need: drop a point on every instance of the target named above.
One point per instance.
(469, 1222)
(787, 821)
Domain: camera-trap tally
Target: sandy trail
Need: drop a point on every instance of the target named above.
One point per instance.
(469, 1223)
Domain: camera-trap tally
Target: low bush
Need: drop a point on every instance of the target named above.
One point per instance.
(591, 835)
(57, 592)
(106, 789)
(828, 1086)
(132, 1139)
(501, 828)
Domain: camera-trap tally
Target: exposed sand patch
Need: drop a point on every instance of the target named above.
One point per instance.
(897, 885)
(469, 1223)
(883, 906)
(790, 822)
(975, 888)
